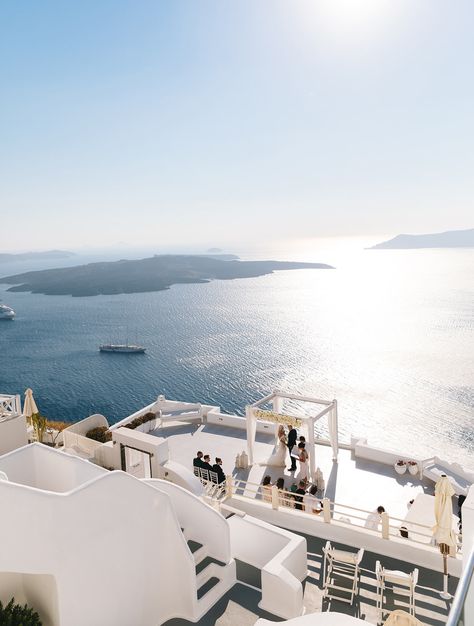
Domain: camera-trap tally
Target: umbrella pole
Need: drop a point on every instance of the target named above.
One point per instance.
(445, 595)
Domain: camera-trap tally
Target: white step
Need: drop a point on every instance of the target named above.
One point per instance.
(206, 574)
(200, 554)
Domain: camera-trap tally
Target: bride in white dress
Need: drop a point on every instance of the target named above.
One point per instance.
(278, 458)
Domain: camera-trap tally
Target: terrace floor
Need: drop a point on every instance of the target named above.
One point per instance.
(354, 482)
(239, 607)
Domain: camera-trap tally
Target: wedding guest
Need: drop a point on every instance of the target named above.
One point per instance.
(217, 468)
(283, 499)
(299, 494)
(207, 463)
(267, 489)
(373, 520)
(198, 462)
(303, 459)
(310, 502)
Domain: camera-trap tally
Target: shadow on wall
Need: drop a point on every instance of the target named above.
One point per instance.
(38, 591)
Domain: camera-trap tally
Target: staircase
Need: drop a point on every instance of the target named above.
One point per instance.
(213, 578)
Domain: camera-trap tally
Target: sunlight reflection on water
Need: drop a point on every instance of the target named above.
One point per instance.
(388, 333)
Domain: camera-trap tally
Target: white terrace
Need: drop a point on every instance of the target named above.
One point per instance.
(278, 548)
(356, 483)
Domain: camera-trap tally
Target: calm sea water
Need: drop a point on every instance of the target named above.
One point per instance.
(388, 333)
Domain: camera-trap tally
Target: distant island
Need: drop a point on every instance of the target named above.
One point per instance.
(32, 256)
(449, 239)
(150, 274)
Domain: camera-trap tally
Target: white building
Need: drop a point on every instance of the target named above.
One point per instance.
(153, 543)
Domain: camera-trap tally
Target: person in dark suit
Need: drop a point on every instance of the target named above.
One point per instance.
(207, 463)
(197, 462)
(218, 470)
(292, 435)
(301, 491)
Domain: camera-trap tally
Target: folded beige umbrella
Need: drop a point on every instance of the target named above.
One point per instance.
(443, 529)
(29, 407)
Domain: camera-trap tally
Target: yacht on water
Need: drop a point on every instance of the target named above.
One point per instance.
(121, 347)
(6, 313)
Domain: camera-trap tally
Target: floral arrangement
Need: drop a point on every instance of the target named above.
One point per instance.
(401, 463)
(278, 418)
(412, 463)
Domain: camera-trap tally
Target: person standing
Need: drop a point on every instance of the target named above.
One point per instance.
(292, 435)
(303, 459)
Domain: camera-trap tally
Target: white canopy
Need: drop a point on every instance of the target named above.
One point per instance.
(322, 408)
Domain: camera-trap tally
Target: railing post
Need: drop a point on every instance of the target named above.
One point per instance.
(385, 525)
(327, 510)
(275, 497)
(228, 486)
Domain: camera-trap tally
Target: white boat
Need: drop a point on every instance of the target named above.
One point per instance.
(121, 347)
(6, 313)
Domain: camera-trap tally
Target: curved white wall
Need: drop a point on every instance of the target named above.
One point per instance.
(201, 522)
(116, 535)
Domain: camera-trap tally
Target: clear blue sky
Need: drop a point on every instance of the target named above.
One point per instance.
(229, 121)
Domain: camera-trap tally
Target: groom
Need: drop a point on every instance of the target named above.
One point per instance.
(292, 435)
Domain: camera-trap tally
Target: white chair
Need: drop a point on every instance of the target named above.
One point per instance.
(399, 582)
(341, 564)
(196, 471)
(204, 474)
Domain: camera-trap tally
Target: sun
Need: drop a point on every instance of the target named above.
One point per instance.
(350, 17)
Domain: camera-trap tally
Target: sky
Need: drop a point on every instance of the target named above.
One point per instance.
(230, 122)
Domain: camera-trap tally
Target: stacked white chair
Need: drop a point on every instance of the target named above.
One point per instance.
(341, 564)
(399, 582)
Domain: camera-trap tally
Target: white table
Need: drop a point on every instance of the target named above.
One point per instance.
(422, 512)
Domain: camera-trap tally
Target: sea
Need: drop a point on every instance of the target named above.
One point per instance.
(388, 333)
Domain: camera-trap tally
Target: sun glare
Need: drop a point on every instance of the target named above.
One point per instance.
(350, 21)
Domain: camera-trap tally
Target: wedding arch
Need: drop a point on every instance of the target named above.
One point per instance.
(322, 408)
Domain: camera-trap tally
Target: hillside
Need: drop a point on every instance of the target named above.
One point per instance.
(448, 239)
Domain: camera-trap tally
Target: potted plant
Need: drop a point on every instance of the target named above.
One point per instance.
(18, 615)
(413, 467)
(39, 424)
(400, 466)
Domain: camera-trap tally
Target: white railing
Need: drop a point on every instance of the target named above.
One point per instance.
(457, 616)
(390, 527)
(10, 406)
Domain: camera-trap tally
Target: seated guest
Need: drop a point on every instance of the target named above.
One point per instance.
(197, 462)
(374, 519)
(283, 499)
(403, 532)
(310, 502)
(299, 494)
(217, 468)
(301, 439)
(267, 489)
(206, 465)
